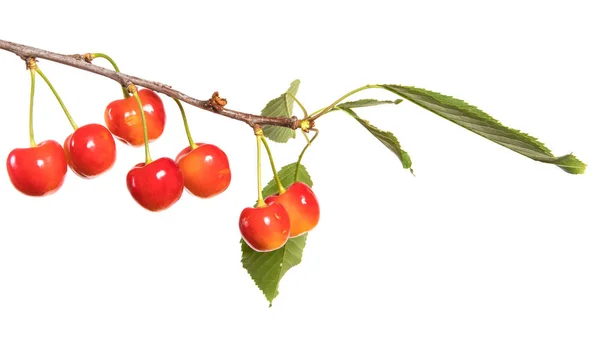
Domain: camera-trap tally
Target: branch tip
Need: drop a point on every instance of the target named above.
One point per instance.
(216, 102)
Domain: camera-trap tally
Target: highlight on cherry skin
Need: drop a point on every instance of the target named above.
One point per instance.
(156, 186)
(90, 150)
(302, 206)
(124, 120)
(37, 171)
(205, 169)
(265, 228)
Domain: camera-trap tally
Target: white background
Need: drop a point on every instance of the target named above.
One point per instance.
(484, 250)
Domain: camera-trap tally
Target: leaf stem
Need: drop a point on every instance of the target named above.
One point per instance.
(62, 105)
(315, 115)
(304, 151)
(185, 125)
(261, 201)
(115, 67)
(32, 143)
(272, 162)
(132, 88)
(299, 104)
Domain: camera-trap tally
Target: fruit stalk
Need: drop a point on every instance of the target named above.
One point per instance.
(272, 162)
(62, 105)
(115, 67)
(133, 90)
(185, 125)
(31, 66)
(304, 151)
(259, 135)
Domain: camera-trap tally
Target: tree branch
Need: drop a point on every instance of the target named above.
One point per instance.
(78, 61)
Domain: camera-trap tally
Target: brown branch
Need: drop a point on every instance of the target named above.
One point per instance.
(214, 105)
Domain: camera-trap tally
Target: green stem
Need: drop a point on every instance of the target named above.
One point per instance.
(315, 115)
(31, 95)
(302, 154)
(299, 104)
(146, 146)
(275, 175)
(185, 124)
(62, 105)
(115, 67)
(261, 201)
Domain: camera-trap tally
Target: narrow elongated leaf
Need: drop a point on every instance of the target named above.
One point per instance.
(387, 138)
(268, 268)
(366, 102)
(281, 106)
(479, 122)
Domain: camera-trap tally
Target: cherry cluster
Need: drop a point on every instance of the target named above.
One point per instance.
(136, 120)
(201, 168)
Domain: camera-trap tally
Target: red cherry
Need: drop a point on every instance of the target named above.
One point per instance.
(124, 120)
(155, 186)
(205, 170)
(301, 205)
(37, 171)
(90, 150)
(265, 228)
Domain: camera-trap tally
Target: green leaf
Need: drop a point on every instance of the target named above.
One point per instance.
(479, 122)
(268, 268)
(366, 102)
(387, 138)
(281, 106)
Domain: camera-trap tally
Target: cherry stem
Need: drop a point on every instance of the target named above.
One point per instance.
(261, 201)
(272, 162)
(304, 151)
(62, 105)
(134, 91)
(115, 67)
(32, 143)
(185, 124)
(315, 115)
(299, 104)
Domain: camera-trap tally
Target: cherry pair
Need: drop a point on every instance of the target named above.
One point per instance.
(40, 170)
(290, 214)
(204, 171)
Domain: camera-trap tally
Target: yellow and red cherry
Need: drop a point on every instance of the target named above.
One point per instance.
(90, 150)
(156, 186)
(37, 171)
(301, 205)
(265, 228)
(205, 169)
(124, 120)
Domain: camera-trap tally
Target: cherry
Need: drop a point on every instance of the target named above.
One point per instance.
(90, 150)
(124, 120)
(157, 185)
(37, 171)
(205, 170)
(265, 228)
(301, 205)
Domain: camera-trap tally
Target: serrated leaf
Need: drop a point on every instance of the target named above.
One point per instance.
(268, 268)
(479, 122)
(278, 107)
(387, 138)
(366, 102)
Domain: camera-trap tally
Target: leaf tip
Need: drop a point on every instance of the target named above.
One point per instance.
(570, 164)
